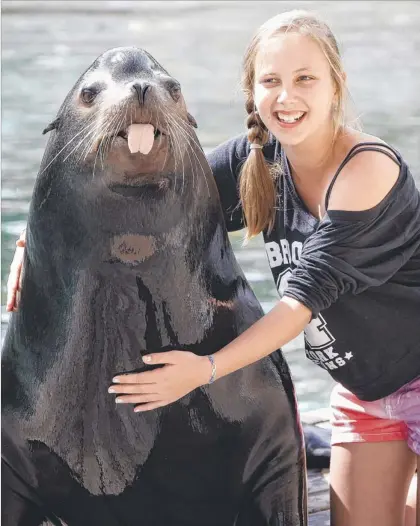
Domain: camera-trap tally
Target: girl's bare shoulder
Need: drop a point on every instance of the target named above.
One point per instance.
(367, 177)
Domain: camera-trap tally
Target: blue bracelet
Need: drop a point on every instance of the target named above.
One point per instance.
(213, 368)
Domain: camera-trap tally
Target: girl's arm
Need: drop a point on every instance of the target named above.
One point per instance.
(283, 323)
(15, 275)
(184, 371)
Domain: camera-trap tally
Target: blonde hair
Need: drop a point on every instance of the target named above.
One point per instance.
(257, 179)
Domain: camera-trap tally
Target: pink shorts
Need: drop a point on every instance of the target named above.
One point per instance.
(395, 417)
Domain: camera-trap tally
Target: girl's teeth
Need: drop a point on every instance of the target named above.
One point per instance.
(290, 118)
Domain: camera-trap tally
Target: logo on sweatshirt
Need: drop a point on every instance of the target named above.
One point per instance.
(318, 338)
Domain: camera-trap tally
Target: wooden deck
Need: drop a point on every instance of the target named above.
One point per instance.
(318, 498)
(318, 490)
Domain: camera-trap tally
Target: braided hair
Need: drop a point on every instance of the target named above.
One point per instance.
(256, 184)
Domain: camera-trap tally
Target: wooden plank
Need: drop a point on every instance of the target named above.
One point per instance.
(318, 487)
(322, 518)
(318, 491)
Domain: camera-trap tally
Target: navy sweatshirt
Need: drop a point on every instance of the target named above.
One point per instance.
(357, 271)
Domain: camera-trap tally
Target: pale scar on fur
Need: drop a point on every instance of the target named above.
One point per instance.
(132, 248)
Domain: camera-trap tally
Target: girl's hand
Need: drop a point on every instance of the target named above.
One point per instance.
(182, 372)
(15, 275)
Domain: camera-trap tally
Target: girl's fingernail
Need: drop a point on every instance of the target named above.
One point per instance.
(116, 380)
(119, 401)
(147, 358)
(111, 390)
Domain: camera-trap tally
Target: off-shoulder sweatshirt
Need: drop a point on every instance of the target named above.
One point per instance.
(357, 271)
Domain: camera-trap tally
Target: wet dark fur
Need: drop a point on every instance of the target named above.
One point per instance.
(118, 263)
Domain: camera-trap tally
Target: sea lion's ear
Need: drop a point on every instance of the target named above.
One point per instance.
(192, 121)
(52, 126)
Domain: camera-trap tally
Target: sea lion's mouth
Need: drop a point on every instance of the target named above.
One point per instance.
(146, 184)
(124, 133)
(140, 137)
(127, 190)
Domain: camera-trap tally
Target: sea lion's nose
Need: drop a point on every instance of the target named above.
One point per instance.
(141, 88)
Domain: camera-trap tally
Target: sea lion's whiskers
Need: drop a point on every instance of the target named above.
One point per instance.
(171, 144)
(177, 150)
(187, 136)
(183, 171)
(119, 124)
(96, 158)
(99, 151)
(159, 127)
(181, 157)
(167, 149)
(93, 133)
(179, 125)
(64, 147)
(123, 120)
(112, 129)
(102, 144)
(101, 137)
(109, 133)
(171, 140)
(160, 140)
(87, 141)
(90, 144)
(81, 142)
(187, 129)
(96, 139)
(102, 147)
(187, 132)
(187, 140)
(173, 148)
(171, 125)
(126, 109)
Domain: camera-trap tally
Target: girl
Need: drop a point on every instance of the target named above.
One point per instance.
(340, 215)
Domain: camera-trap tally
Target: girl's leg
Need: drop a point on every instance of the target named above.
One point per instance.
(410, 508)
(370, 482)
(372, 465)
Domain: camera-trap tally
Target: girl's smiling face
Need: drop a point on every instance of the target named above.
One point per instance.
(294, 90)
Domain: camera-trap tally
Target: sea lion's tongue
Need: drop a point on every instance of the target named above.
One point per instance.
(140, 138)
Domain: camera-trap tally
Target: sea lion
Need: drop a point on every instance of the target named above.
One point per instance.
(127, 252)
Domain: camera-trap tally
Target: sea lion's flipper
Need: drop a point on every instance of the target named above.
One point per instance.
(276, 504)
(52, 126)
(21, 504)
(192, 121)
(18, 507)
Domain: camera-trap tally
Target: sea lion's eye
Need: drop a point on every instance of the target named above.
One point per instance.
(88, 95)
(175, 91)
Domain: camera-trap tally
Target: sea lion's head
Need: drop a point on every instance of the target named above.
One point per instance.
(123, 158)
(125, 119)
